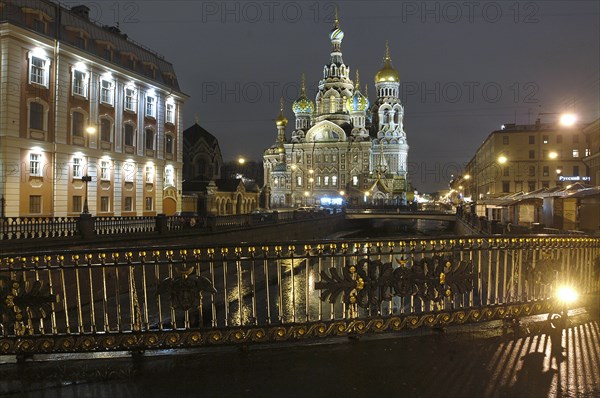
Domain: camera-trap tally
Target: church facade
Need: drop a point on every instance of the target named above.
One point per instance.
(343, 149)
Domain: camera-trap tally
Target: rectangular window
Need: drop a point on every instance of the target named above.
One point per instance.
(545, 184)
(506, 171)
(575, 153)
(149, 139)
(532, 154)
(546, 171)
(150, 174)
(505, 186)
(130, 99)
(575, 139)
(129, 135)
(78, 122)
(531, 186)
(532, 139)
(545, 139)
(104, 204)
(76, 204)
(106, 92)
(504, 140)
(129, 171)
(150, 106)
(79, 83)
(531, 171)
(354, 181)
(334, 181)
(36, 116)
(105, 130)
(169, 176)
(326, 180)
(576, 170)
(38, 71)
(35, 167)
(104, 170)
(169, 144)
(558, 138)
(148, 204)
(77, 168)
(170, 113)
(318, 181)
(587, 152)
(128, 204)
(35, 204)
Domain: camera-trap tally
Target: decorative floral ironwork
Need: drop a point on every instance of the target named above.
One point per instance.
(184, 290)
(370, 282)
(22, 302)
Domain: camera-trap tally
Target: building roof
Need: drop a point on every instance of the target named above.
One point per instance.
(196, 132)
(63, 20)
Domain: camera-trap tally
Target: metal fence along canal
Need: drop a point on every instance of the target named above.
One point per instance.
(175, 297)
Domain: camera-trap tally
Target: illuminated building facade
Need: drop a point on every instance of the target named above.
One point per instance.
(343, 149)
(86, 116)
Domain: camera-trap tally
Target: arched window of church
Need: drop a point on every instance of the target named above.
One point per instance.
(396, 117)
(332, 107)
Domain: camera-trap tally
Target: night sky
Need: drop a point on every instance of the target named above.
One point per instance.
(465, 67)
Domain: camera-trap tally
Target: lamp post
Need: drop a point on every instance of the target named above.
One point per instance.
(86, 179)
(293, 182)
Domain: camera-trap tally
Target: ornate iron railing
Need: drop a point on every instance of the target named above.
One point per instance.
(38, 227)
(123, 225)
(192, 296)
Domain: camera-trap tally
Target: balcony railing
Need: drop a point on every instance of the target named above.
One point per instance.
(142, 298)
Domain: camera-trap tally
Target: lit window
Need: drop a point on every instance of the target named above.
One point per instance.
(104, 170)
(105, 130)
(546, 171)
(76, 204)
(77, 167)
(149, 139)
(129, 135)
(318, 181)
(128, 204)
(545, 139)
(354, 181)
(106, 92)
(169, 176)
(77, 124)
(275, 182)
(298, 181)
(35, 167)
(104, 204)
(150, 106)
(148, 204)
(587, 152)
(38, 70)
(79, 83)
(169, 144)
(326, 180)
(129, 171)
(334, 181)
(575, 153)
(36, 116)
(170, 113)
(150, 174)
(130, 99)
(35, 204)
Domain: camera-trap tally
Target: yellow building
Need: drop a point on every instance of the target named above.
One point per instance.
(525, 158)
(86, 116)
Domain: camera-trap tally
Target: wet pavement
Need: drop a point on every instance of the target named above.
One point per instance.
(465, 361)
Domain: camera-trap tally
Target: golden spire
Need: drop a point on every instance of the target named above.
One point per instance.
(387, 51)
(337, 21)
(281, 120)
(357, 83)
(303, 87)
(366, 90)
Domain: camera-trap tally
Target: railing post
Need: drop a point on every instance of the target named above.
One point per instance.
(161, 223)
(211, 222)
(276, 216)
(86, 226)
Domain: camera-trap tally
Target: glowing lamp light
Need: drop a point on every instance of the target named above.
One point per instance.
(36, 149)
(342, 193)
(553, 155)
(241, 160)
(567, 295)
(311, 171)
(38, 52)
(568, 119)
(306, 193)
(502, 159)
(311, 179)
(294, 167)
(367, 193)
(90, 130)
(467, 177)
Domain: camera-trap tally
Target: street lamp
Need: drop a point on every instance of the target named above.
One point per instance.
(568, 119)
(241, 161)
(553, 155)
(502, 159)
(86, 179)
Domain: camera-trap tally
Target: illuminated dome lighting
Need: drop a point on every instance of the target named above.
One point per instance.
(387, 73)
(281, 120)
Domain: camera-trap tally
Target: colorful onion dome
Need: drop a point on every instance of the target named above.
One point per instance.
(303, 104)
(358, 102)
(337, 34)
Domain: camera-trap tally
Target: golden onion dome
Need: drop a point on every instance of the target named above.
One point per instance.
(281, 120)
(387, 73)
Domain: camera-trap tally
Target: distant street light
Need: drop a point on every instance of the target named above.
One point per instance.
(241, 160)
(553, 155)
(502, 159)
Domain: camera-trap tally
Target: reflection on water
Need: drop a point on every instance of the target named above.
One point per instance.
(391, 229)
